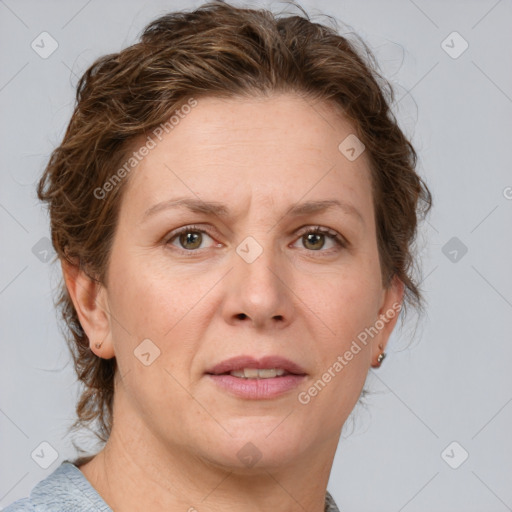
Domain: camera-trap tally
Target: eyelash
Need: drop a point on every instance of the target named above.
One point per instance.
(333, 235)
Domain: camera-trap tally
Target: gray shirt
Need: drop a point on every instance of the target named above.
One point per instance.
(67, 490)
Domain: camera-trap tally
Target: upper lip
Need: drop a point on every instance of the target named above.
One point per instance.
(241, 362)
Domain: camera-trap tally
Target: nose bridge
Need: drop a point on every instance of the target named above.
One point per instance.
(257, 283)
(256, 265)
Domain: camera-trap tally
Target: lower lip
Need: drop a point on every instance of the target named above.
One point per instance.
(257, 389)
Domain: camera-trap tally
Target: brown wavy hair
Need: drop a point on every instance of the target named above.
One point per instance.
(220, 50)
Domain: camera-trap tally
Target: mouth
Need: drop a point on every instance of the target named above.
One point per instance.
(248, 367)
(258, 373)
(256, 379)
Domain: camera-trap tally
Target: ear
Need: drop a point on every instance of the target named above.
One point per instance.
(388, 315)
(90, 300)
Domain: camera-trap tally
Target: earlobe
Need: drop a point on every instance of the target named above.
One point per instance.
(90, 301)
(388, 316)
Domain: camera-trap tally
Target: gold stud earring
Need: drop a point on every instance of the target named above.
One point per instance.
(98, 345)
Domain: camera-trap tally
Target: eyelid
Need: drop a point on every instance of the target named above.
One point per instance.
(323, 230)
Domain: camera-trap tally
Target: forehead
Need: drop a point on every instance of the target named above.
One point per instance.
(279, 149)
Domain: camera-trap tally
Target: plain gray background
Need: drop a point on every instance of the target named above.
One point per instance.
(450, 383)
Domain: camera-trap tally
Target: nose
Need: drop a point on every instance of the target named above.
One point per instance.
(259, 293)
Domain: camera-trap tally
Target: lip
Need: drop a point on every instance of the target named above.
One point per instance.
(256, 389)
(241, 362)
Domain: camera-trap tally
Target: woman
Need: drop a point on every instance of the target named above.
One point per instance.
(233, 206)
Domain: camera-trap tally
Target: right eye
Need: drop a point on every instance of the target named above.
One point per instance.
(189, 238)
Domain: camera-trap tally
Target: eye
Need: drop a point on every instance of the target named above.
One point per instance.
(314, 239)
(189, 238)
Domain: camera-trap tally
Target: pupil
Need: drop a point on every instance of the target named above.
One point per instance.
(192, 238)
(312, 237)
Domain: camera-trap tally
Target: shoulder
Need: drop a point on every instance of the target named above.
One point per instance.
(63, 490)
(24, 504)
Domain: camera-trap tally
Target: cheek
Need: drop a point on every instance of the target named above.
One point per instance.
(347, 301)
(148, 298)
(348, 307)
(151, 310)
(152, 301)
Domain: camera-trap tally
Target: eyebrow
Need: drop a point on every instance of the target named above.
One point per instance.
(222, 210)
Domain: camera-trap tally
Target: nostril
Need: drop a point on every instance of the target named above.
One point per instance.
(241, 316)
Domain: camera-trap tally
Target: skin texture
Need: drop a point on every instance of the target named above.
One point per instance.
(176, 435)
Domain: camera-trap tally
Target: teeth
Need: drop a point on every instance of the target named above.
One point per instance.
(256, 373)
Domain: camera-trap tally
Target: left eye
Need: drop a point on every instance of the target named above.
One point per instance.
(314, 239)
(190, 238)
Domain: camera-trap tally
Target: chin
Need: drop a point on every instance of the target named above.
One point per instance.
(250, 458)
(258, 444)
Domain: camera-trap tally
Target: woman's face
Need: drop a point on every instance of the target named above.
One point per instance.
(247, 281)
